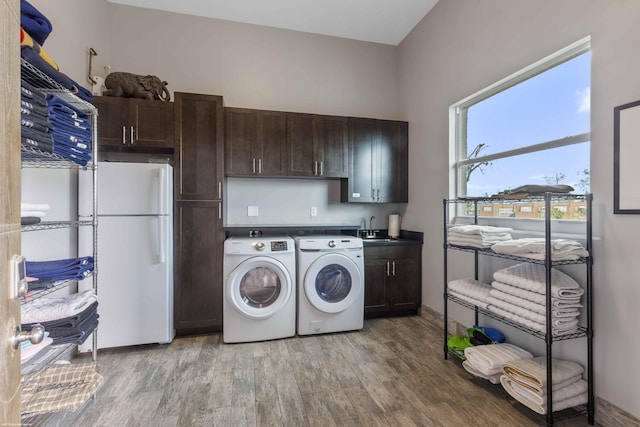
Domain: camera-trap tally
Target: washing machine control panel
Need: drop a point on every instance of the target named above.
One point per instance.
(278, 246)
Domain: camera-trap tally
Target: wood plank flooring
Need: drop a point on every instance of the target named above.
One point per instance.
(391, 373)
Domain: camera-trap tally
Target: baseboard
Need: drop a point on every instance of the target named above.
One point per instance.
(607, 414)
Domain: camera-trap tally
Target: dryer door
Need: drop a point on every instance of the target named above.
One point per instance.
(332, 283)
(259, 287)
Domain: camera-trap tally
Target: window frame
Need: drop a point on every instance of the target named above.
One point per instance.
(458, 118)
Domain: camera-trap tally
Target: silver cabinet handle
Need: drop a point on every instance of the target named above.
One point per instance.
(253, 165)
(393, 268)
(219, 190)
(321, 168)
(35, 335)
(219, 210)
(387, 268)
(259, 166)
(124, 135)
(132, 137)
(315, 168)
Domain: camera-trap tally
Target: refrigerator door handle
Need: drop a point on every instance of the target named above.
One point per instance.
(162, 247)
(162, 209)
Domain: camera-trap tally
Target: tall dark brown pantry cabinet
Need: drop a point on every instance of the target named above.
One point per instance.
(198, 232)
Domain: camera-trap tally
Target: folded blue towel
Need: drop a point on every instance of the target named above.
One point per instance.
(492, 333)
(53, 101)
(72, 267)
(34, 22)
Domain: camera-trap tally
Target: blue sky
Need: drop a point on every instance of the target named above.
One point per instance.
(552, 105)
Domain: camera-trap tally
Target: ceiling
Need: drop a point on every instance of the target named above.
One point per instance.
(378, 21)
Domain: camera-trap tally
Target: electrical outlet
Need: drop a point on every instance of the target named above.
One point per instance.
(314, 211)
(252, 211)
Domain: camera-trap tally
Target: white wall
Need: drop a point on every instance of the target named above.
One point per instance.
(461, 47)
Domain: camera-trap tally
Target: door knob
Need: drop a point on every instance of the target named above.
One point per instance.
(35, 335)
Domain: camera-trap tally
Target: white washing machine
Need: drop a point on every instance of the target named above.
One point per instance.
(259, 301)
(330, 284)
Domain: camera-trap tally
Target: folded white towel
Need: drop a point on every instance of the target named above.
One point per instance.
(532, 277)
(470, 287)
(558, 405)
(555, 330)
(489, 359)
(479, 229)
(47, 309)
(532, 373)
(493, 379)
(34, 206)
(470, 300)
(39, 214)
(535, 248)
(520, 311)
(536, 297)
(578, 386)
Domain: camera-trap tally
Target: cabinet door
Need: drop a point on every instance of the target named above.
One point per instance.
(363, 136)
(332, 150)
(405, 292)
(392, 160)
(375, 286)
(113, 121)
(150, 123)
(241, 134)
(199, 147)
(301, 145)
(272, 136)
(198, 266)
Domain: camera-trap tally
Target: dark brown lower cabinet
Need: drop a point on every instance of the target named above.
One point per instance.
(199, 238)
(393, 279)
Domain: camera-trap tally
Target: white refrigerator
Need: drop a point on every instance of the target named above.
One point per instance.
(135, 252)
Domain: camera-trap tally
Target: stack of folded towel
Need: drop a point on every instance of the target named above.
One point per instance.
(32, 213)
(36, 129)
(62, 269)
(518, 293)
(69, 319)
(534, 248)
(477, 236)
(71, 130)
(470, 290)
(485, 361)
(35, 28)
(526, 381)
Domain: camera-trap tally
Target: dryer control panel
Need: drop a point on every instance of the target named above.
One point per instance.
(278, 246)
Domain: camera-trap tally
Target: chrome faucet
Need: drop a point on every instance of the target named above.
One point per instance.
(371, 232)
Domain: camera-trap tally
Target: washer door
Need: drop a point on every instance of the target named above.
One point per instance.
(259, 287)
(332, 283)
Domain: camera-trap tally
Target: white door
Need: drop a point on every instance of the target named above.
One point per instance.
(136, 281)
(259, 287)
(332, 283)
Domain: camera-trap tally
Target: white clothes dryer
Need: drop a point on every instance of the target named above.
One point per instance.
(259, 301)
(330, 284)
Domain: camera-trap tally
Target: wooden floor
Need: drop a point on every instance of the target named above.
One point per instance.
(392, 373)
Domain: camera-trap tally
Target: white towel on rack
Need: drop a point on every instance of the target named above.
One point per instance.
(34, 206)
(39, 214)
(532, 277)
(477, 236)
(559, 330)
(470, 287)
(520, 311)
(470, 300)
(488, 359)
(493, 379)
(47, 309)
(536, 297)
(480, 230)
(535, 248)
(532, 373)
(532, 306)
(558, 403)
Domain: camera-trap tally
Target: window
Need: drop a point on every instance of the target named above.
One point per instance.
(532, 127)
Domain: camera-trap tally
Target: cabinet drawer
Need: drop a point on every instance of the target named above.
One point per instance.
(391, 252)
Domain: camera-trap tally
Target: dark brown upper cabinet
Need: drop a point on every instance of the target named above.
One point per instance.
(378, 162)
(317, 146)
(255, 142)
(134, 125)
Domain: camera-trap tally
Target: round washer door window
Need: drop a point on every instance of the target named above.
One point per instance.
(259, 287)
(332, 283)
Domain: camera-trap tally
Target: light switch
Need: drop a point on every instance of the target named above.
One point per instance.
(252, 211)
(314, 211)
